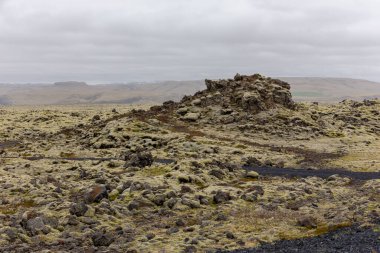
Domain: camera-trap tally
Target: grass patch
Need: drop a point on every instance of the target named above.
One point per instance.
(12, 209)
(312, 94)
(155, 171)
(67, 155)
(323, 229)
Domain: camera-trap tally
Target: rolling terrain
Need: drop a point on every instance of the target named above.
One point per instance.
(303, 89)
(236, 167)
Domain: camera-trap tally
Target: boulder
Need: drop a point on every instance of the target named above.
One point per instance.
(96, 194)
(191, 116)
(221, 197)
(78, 209)
(138, 159)
(101, 238)
(252, 174)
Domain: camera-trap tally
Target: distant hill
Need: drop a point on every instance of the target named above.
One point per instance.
(71, 92)
(71, 84)
(331, 89)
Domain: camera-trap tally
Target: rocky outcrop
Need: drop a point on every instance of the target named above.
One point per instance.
(232, 100)
(251, 94)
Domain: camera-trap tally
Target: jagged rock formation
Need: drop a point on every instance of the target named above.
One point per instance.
(258, 104)
(229, 101)
(250, 94)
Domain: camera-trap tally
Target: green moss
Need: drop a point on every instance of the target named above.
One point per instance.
(241, 146)
(12, 209)
(155, 171)
(334, 134)
(113, 197)
(67, 155)
(201, 185)
(323, 229)
(128, 198)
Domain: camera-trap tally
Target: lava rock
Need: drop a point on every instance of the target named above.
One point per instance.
(139, 159)
(221, 197)
(102, 238)
(96, 194)
(307, 221)
(78, 209)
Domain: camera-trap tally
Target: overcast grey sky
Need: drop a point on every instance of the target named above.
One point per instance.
(144, 40)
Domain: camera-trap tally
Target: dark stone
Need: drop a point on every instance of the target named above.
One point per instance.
(159, 199)
(102, 239)
(217, 173)
(96, 194)
(221, 217)
(96, 118)
(72, 220)
(180, 223)
(139, 203)
(139, 159)
(150, 236)
(307, 221)
(11, 233)
(37, 226)
(253, 162)
(171, 202)
(221, 197)
(190, 249)
(230, 235)
(186, 189)
(78, 209)
(172, 230)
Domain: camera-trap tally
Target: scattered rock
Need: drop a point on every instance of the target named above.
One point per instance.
(96, 118)
(191, 116)
(96, 194)
(139, 159)
(230, 235)
(78, 209)
(150, 236)
(102, 238)
(172, 230)
(252, 174)
(190, 249)
(307, 221)
(221, 197)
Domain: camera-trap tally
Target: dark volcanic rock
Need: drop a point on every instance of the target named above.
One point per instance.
(348, 240)
(36, 223)
(96, 194)
(139, 159)
(221, 197)
(36, 226)
(102, 239)
(252, 93)
(78, 209)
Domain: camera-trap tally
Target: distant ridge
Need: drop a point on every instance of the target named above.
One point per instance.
(71, 84)
(73, 92)
(332, 89)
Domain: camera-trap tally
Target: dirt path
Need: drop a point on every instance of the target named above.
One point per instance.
(8, 144)
(263, 171)
(347, 240)
(322, 173)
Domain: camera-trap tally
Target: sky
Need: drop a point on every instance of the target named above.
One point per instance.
(151, 40)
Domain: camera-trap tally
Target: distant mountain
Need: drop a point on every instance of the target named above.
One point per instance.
(71, 84)
(72, 92)
(331, 89)
(5, 100)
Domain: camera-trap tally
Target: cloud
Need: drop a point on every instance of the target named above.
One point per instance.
(125, 40)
